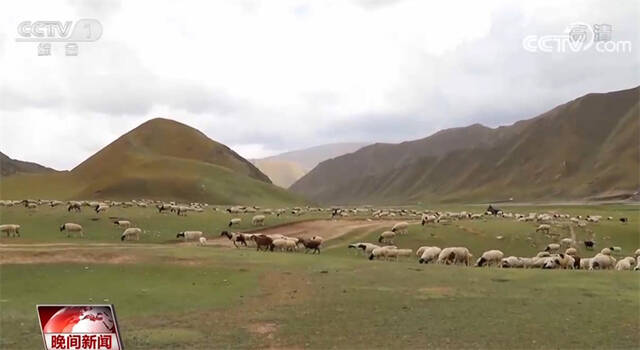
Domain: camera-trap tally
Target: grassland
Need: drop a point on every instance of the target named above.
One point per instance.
(180, 296)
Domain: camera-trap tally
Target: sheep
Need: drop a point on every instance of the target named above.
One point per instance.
(378, 252)
(571, 251)
(403, 253)
(543, 254)
(401, 228)
(606, 251)
(625, 264)
(420, 250)
(512, 262)
(455, 255)
(566, 261)
(10, 229)
(637, 268)
(624, 220)
(276, 236)
(262, 241)
(426, 219)
(312, 244)
(429, 254)
(544, 228)
(235, 221)
(203, 242)
(387, 237)
(101, 207)
(567, 242)
(190, 235)
(279, 244)
(131, 233)
(552, 247)
(258, 220)
(616, 249)
(490, 257)
(589, 244)
(367, 248)
(75, 206)
(637, 253)
(235, 238)
(602, 261)
(72, 228)
(585, 263)
(122, 223)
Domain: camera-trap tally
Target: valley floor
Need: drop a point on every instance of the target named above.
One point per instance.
(172, 295)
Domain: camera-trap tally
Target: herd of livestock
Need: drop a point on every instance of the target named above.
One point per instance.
(559, 254)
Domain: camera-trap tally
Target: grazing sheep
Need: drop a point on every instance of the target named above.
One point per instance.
(567, 242)
(605, 251)
(624, 220)
(637, 268)
(616, 249)
(72, 228)
(571, 251)
(426, 219)
(625, 264)
(429, 254)
(101, 207)
(262, 241)
(235, 238)
(421, 250)
(203, 242)
(602, 262)
(387, 237)
(543, 254)
(258, 220)
(552, 247)
(10, 229)
(585, 263)
(512, 262)
(190, 235)
(235, 221)
(544, 228)
(367, 248)
(123, 223)
(75, 206)
(379, 252)
(131, 233)
(589, 244)
(637, 253)
(489, 258)
(455, 255)
(401, 228)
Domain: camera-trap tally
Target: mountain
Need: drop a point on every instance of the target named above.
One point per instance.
(586, 148)
(284, 169)
(10, 166)
(160, 159)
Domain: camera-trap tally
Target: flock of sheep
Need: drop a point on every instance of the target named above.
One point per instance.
(550, 258)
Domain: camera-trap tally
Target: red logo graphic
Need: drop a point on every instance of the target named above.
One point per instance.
(79, 327)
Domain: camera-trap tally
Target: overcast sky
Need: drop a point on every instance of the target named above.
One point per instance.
(266, 77)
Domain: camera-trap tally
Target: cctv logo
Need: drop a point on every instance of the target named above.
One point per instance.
(84, 30)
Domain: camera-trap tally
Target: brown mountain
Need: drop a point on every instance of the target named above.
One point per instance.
(585, 148)
(160, 159)
(10, 166)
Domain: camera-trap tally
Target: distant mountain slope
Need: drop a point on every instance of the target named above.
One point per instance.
(585, 148)
(160, 159)
(286, 168)
(10, 166)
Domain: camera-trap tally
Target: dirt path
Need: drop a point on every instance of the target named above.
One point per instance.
(327, 229)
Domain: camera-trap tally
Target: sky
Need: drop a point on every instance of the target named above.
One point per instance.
(265, 77)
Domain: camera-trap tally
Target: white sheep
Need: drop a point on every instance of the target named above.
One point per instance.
(455, 255)
(571, 251)
(258, 220)
(429, 254)
(235, 221)
(190, 235)
(625, 264)
(378, 252)
(490, 257)
(552, 247)
(567, 242)
(512, 262)
(72, 228)
(637, 268)
(401, 228)
(203, 241)
(10, 229)
(637, 253)
(131, 233)
(544, 228)
(602, 262)
(101, 207)
(279, 244)
(387, 237)
(585, 263)
(605, 251)
(367, 248)
(123, 223)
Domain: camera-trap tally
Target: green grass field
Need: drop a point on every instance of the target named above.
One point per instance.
(170, 296)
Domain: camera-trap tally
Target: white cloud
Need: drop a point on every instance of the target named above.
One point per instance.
(265, 77)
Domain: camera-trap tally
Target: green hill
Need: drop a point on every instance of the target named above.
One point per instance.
(583, 149)
(160, 159)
